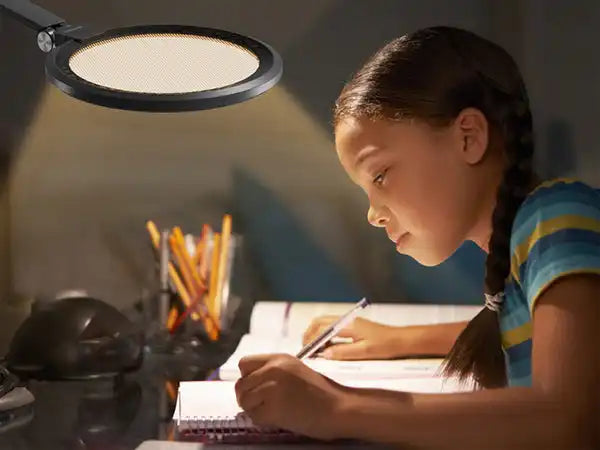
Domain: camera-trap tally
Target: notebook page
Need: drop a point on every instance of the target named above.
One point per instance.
(198, 400)
(205, 400)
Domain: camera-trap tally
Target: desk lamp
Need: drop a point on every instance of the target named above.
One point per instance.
(154, 68)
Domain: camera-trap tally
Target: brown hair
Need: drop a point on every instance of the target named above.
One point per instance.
(432, 75)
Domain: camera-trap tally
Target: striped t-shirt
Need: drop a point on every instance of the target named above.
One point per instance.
(556, 232)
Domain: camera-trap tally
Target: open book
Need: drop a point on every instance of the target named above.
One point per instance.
(277, 327)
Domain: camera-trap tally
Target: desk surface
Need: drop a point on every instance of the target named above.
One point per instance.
(125, 413)
(163, 445)
(117, 414)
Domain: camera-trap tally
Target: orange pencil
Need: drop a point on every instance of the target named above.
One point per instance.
(187, 260)
(196, 291)
(171, 391)
(181, 290)
(172, 317)
(197, 256)
(200, 245)
(206, 253)
(185, 271)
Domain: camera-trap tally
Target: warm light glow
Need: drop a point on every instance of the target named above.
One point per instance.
(164, 63)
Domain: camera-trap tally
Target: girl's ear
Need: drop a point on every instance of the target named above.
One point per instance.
(473, 132)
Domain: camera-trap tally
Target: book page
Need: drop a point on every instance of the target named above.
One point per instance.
(268, 318)
(342, 371)
(279, 318)
(337, 370)
(423, 385)
(395, 314)
(251, 344)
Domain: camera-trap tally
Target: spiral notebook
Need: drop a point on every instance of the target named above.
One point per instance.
(207, 411)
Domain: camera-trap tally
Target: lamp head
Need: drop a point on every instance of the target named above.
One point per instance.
(158, 68)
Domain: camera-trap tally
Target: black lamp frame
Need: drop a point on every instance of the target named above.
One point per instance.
(61, 40)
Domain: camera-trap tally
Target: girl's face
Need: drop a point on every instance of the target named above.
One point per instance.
(426, 186)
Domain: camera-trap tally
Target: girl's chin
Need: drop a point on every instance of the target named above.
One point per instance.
(425, 257)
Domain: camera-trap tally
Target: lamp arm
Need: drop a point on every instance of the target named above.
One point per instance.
(31, 15)
(52, 30)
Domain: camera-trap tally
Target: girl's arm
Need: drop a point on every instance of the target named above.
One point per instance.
(560, 411)
(373, 340)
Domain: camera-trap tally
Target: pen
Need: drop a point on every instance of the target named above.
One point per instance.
(312, 347)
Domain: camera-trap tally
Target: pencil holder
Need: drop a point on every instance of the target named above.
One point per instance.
(199, 288)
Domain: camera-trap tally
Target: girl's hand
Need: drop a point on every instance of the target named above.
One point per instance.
(280, 391)
(371, 340)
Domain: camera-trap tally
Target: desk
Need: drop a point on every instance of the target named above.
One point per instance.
(161, 445)
(115, 414)
(125, 413)
(108, 415)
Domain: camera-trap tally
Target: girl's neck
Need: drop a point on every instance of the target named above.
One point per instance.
(482, 231)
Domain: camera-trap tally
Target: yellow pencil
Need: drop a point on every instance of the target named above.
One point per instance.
(154, 234)
(214, 269)
(222, 265)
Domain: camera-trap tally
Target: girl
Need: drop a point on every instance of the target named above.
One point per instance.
(436, 129)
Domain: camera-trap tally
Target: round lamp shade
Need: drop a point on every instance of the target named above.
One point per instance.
(164, 68)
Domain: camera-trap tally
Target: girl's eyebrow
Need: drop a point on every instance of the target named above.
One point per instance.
(365, 153)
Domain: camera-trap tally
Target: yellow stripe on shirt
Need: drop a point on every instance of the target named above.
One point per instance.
(517, 335)
(554, 181)
(546, 228)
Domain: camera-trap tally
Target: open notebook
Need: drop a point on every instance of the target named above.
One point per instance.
(277, 327)
(207, 411)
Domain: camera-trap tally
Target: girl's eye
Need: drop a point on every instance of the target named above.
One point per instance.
(378, 180)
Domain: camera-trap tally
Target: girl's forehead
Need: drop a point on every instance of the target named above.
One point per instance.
(354, 135)
(351, 135)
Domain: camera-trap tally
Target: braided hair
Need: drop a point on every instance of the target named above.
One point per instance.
(398, 82)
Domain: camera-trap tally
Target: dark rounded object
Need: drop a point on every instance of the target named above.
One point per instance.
(75, 338)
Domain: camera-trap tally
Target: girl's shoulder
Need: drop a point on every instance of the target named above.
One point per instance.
(561, 195)
(556, 233)
(556, 204)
